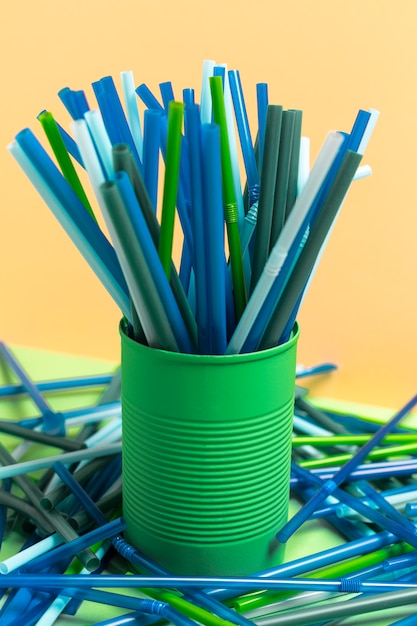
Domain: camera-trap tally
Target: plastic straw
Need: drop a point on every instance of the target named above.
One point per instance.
(229, 199)
(283, 175)
(26, 467)
(74, 218)
(58, 146)
(295, 225)
(101, 140)
(285, 308)
(244, 135)
(132, 113)
(151, 143)
(267, 192)
(343, 473)
(205, 97)
(262, 105)
(213, 226)
(169, 200)
(142, 287)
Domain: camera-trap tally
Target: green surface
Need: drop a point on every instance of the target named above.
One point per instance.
(312, 537)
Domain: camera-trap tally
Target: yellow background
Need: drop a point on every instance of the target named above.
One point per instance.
(327, 57)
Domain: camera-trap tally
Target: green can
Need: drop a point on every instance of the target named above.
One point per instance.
(206, 456)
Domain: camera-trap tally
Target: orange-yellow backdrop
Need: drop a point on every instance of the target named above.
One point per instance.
(327, 57)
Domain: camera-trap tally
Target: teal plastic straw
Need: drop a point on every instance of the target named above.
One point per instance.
(139, 228)
(294, 162)
(123, 161)
(153, 317)
(229, 198)
(67, 168)
(172, 169)
(101, 139)
(132, 113)
(267, 191)
(26, 467)
(78, 224)
(280, 251)
(283, 176)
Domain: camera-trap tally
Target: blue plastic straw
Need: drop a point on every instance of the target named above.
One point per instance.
(244, 135)
(151, 145)
(167, 93)
(202, 295)
(53, 422)
(58, 385)
(65, 581)
(262, 105)
(188, 96)
(113, 114)
(148, 98)
(330, 485)
(132, 113)
(213, 225)
(74, 101)
(72, 215)
(70, 144)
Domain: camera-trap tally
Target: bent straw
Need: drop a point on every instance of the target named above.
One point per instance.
(283, 176)
(78, 224)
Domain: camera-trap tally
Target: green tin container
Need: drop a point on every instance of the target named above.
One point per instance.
(206, 456)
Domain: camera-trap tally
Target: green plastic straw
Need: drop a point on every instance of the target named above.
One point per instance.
(229, 198)
(172, 170)
(271, 154)
(258, 599)
(283, 174)
(64, 160)
(350, 440)
(374, 455)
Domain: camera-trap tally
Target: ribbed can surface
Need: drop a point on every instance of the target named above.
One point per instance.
(206, 456)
